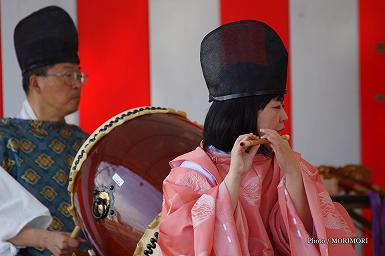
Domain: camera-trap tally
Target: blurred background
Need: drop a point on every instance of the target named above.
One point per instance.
(146, 52)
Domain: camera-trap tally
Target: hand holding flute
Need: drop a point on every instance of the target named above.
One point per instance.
(250, 143)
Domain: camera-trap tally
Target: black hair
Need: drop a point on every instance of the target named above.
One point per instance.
(226, 120)
(42, 71)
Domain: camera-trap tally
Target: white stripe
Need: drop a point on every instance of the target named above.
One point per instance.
(198, 168)
(12, 11)
(176, 31)
(325, 85)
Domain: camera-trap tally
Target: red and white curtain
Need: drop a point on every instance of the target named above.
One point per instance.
(146, 52)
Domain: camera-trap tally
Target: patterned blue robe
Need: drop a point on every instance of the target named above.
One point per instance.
(39, 155)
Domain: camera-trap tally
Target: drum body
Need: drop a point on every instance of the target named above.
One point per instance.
(116, 179)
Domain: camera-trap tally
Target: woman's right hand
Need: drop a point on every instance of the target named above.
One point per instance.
(242, 157)
(61, 243)
(241, 161)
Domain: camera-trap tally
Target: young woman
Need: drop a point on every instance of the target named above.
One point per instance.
(228, 199)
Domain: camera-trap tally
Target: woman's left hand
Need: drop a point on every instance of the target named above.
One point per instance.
(283, 152)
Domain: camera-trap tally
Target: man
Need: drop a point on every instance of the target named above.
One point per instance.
(38, 147)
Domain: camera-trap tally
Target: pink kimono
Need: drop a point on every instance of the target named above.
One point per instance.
(197, 218)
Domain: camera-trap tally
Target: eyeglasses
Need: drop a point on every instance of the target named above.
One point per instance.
(71, 77)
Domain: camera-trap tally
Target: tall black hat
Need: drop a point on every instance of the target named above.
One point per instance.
(46, 37)
(243, 58)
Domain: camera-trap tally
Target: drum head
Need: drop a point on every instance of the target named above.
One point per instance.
(116, 179)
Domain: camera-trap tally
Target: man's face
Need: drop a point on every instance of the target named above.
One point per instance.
(59, 92)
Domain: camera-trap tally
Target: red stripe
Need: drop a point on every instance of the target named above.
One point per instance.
(372, 84)
(1, 72)
(372, 81)
(114, 51)
(274, 13)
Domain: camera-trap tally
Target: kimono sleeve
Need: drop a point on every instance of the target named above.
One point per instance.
(330, 220)
(193, 210)
(19, 209)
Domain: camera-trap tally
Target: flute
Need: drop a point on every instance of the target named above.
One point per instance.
(250, 143)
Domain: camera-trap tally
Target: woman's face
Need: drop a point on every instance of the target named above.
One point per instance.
(273, 116)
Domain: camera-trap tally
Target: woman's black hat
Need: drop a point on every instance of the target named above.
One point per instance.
(243, 58)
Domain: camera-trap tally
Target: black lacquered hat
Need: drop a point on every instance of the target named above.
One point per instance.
(46, 37)
(243, 58)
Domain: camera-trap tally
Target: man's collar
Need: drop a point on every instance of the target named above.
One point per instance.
(26, 111)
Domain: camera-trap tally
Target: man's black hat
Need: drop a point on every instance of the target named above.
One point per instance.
(46, 37)
(243, 58)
